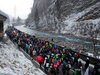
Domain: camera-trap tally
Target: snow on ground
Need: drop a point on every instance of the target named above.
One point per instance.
(13, 62)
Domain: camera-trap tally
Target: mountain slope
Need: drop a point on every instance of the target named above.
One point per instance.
(75, 17)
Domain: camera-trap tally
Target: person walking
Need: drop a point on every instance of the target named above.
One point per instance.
(87, 63)
(27, 47)
(47, 64)
(64, 67)
(34, 54)
(87, 67)
(68, 68)
(45, 59)
(49, 71)
(96, 67)
(58, 61)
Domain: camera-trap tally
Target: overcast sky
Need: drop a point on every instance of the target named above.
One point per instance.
(21, 7)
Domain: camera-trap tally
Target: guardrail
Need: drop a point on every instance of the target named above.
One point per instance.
(84, 57)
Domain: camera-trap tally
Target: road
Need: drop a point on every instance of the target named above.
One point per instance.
(37, 65)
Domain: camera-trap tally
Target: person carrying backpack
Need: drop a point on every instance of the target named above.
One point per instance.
(55, 65)
(76, 72)
(58, 62)
(96, 67)
(87, 63)
(19, 43)
(30, 51)
(64, 67)
(78, 55)
(27, 47)
(49, 71)
(47, 65)
(68, 67)
(34, 54)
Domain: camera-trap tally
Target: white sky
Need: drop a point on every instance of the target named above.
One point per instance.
(22, 7)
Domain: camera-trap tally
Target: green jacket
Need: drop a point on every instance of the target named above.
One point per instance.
(48, 56)
(50, 46)
(62, 55)
(18, 42)
(56, 56)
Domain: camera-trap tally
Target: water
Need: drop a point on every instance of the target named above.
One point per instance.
(40, 33)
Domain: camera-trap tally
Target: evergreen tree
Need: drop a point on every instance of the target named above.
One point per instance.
(18, 19)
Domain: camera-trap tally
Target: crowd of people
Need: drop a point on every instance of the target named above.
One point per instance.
(53, 56)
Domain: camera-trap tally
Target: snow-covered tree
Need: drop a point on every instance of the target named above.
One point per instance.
(18, 19)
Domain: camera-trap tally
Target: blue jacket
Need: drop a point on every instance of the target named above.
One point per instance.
(63, 64)
(55, 46)
(26, 46)
(35, 48)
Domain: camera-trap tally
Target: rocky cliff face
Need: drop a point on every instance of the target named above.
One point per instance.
(77, 17)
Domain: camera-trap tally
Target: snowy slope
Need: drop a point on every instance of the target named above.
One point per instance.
(13, 62)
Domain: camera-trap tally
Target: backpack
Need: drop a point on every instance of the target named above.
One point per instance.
(64, 67)
(75, 72)
(52, 70)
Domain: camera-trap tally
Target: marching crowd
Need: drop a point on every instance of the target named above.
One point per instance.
(53, 55)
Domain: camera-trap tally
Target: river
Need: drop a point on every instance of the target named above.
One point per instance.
(46, 34)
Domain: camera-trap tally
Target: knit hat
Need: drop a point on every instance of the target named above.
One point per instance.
(87, 58)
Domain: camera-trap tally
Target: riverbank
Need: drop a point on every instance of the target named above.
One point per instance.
(65, 34)
(75, 46)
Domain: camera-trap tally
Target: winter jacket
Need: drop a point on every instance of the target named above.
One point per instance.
(87, 64)
(55, 65)
(63, 64)
(27, 46)
(55, 46)
(49, 71)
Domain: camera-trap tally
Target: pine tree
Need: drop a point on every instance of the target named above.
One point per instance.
(18, 19)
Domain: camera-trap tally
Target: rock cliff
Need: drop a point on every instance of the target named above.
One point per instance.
(75, 17)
